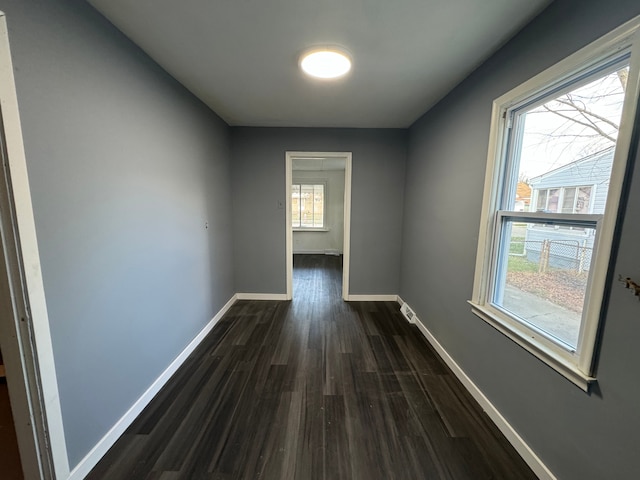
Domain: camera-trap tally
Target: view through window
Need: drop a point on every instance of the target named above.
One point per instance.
(307, 206)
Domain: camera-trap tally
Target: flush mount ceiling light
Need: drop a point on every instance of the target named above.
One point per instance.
(325, 63)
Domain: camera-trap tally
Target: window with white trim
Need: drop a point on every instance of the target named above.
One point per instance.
(541, 270)
(564, 199)
(308, 202)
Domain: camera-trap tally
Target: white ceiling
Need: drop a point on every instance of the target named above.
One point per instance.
(241, 56)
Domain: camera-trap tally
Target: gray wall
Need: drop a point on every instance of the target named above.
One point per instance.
(577, 435)
(376, 204)
(125, 168)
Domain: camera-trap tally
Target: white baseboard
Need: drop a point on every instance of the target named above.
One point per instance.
(372, 298)
(527, 454)
(261, 296)
(100, 449)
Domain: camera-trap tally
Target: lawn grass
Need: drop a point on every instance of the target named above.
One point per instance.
(521, 264)
(517, 245)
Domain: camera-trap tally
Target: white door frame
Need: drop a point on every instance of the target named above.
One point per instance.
(289, 156)
(24, 325)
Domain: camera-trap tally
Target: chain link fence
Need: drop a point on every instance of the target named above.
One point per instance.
(571, 255)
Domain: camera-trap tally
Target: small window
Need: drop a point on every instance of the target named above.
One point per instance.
(308, 206)
(541, 270)
(574, 199)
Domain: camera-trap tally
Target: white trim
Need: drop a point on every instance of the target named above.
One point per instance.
(589, 220)
(100, 449)
(512, 436)
(37, 414)
(551, 356)
(288, 228)
(489, 200)
(262, 296)
(346, 243)
(622, 39)
(372, 298)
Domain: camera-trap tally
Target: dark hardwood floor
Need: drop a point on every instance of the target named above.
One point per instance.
(316, 388)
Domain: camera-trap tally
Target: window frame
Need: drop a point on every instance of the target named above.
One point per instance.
(577, 366)
(311, 182)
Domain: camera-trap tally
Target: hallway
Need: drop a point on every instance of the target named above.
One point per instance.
(316, 388)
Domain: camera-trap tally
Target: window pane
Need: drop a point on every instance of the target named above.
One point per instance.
(541, 206)
(295, 205)
(552, 202)
(584, 200)
(306, 210)
(318, 207)
(568, 200)
(569, 138)
(307, 206)
(543, 278)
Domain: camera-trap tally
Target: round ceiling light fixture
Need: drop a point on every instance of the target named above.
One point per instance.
(325, 63)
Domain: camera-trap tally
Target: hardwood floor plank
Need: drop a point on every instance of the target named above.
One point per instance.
(337, 452)
(313, 389)
(310, 448)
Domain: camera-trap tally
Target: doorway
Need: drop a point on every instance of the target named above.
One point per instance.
(324, 177)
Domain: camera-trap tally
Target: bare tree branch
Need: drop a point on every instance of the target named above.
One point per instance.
(590, 125)
(584, 111)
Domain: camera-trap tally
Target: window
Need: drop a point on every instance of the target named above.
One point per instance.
(308, 206)
(540, 271)
(550, 199)
(568, 199)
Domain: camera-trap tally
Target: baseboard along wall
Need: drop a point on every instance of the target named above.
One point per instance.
(100, 449)
(527, 454)
(372, 298)
(261, 296)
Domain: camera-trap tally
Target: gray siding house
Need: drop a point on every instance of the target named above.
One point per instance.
(578, 187)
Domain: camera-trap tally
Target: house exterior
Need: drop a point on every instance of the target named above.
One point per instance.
(578, 187)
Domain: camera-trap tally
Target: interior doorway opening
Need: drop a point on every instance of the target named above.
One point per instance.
(318, 209)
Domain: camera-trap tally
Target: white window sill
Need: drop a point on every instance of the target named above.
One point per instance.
(311, 229)
(523, 337)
